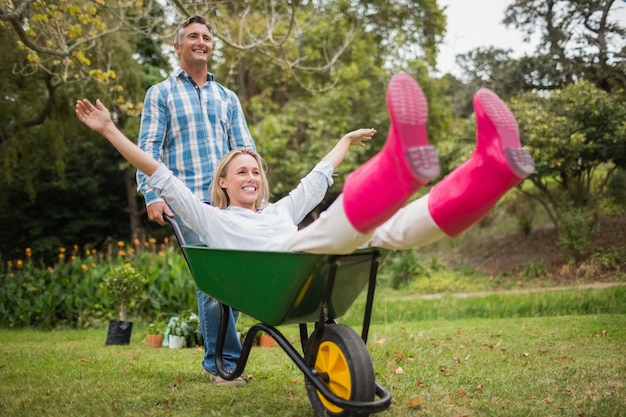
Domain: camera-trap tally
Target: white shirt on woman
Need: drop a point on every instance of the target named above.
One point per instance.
(240, 228)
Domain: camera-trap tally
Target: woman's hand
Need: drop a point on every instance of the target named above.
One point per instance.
(359, 136)
(97, 117)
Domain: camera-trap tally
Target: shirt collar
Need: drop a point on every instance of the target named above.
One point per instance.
(180, 73)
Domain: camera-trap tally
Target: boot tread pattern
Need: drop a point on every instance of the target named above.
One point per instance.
(423, 161)
(497, 111)
(407, 101)
(520, 160)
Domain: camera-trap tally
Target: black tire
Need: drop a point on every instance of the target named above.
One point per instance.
(343, 356)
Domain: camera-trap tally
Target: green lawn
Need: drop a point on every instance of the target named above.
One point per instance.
(524, 366)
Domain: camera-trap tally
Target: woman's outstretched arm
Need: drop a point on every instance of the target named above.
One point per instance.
(339, 151)
(98, 119)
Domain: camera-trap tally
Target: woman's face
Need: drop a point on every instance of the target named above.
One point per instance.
(242, 181)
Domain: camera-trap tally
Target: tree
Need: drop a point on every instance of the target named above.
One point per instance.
(577, 137)
(578, 38)
(306, 73)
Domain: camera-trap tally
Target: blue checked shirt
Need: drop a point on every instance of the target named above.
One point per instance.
(190, 129)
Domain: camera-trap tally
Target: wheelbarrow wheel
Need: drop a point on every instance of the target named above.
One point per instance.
(344, 365)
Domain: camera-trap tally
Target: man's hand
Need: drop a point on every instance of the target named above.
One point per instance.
(157, 210)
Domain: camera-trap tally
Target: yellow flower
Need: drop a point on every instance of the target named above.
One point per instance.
(9, 264)
(121, 253)
(136, 242)
(62, 250)
(84, 267)
(121, 244)
(152, 240)
(19, 263)
(29, 252)
(127, 265)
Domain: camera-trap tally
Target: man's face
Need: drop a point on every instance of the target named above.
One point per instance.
(196, 47)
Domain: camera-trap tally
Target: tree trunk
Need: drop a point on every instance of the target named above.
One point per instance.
(134, 211)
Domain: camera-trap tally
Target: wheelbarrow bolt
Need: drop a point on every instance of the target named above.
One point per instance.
(324, 377)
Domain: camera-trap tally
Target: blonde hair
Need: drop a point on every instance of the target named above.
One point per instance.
(219, 197)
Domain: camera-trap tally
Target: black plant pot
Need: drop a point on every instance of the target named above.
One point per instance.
(119, 332)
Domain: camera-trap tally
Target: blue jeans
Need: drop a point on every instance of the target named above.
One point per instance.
(209, 314)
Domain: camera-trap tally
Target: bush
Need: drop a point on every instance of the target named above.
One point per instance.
(70, 293)
(402, 267)
(575, 232)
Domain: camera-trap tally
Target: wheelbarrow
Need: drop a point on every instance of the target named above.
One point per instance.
(280, 288)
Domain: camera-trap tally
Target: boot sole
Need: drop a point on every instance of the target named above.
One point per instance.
(408, 111)
(518, 159)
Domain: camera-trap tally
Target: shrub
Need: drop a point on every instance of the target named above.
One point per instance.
(575, 231)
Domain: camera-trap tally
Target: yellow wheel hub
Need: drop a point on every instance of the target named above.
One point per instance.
(331, 361)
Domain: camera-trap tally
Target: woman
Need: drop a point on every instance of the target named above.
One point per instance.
(369, 211)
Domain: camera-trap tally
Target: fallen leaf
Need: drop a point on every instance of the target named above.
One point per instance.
(462, 392)
(416, 403)
(83, 360)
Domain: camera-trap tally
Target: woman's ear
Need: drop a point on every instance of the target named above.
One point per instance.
(221, 182)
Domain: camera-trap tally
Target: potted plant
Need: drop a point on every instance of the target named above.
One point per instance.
(191, 328)
(123, 284)
(156, 333)
(176, 333)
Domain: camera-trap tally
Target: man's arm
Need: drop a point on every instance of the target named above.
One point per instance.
(238, 133)
(339, 152)
(151, 136)
(99, 120)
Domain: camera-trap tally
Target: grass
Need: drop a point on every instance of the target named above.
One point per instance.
(564, 361)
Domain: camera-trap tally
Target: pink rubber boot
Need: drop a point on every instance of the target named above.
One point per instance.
(377, 189)
(498, 164)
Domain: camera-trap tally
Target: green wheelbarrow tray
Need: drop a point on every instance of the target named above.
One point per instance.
(279, 287)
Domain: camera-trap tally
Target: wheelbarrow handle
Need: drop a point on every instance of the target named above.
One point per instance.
(176, 228)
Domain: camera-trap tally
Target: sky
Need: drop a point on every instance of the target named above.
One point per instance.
(478, 23)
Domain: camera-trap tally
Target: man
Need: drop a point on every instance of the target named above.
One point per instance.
(189, 122)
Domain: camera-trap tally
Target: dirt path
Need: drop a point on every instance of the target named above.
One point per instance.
(592, 286)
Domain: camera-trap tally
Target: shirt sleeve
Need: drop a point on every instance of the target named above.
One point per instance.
(151, 138)
(239, 134)
(309, 193)
(191, 210)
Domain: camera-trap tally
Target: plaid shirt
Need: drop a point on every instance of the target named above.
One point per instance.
(190, 129)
